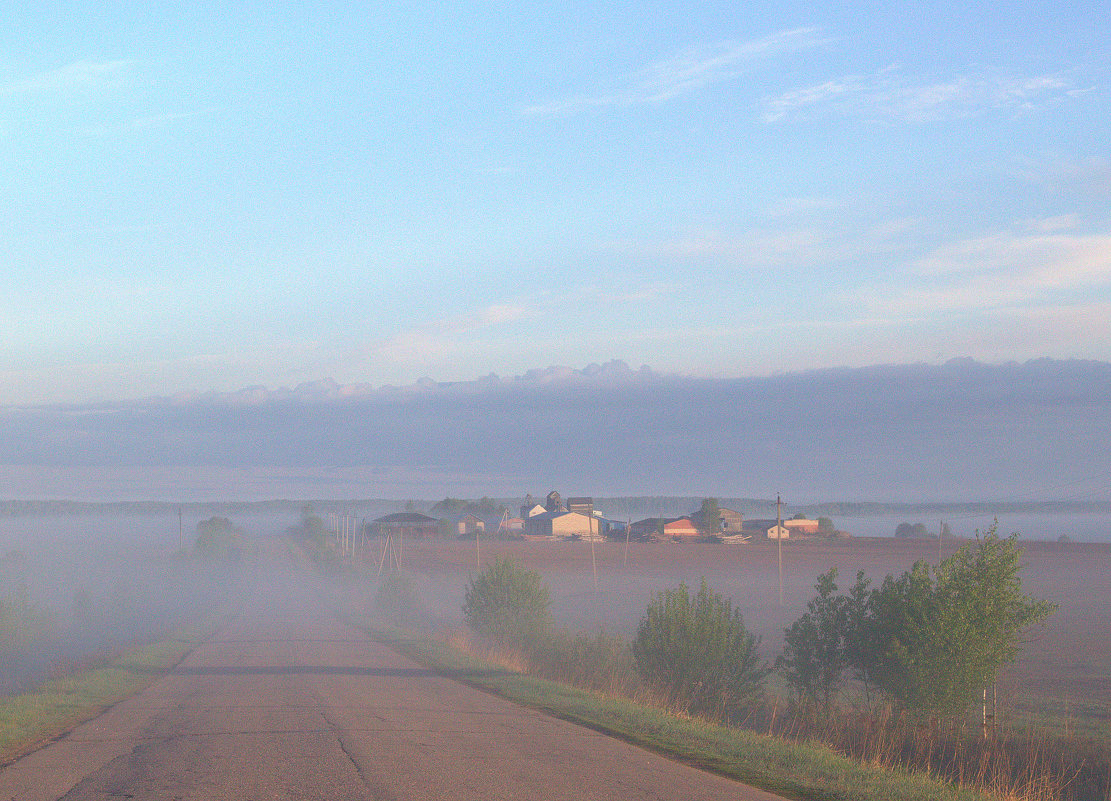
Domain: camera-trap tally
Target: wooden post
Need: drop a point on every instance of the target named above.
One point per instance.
(628, 525)
(385, 546)
(593, 559)
(779, 539)
(984, 709)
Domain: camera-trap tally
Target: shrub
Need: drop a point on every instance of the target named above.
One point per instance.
(219, 539)
(935, 637)
(508, 603)
(698, 652)
(597, 662)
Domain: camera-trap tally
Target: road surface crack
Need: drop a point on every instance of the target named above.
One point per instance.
(338, 732)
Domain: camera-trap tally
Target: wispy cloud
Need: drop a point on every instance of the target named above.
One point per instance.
(1001, 270)
(689, 70)
(440, 339)
(78, 76)
(889, 95)
(151, 122)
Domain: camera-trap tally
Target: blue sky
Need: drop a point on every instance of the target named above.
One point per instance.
(213, 199)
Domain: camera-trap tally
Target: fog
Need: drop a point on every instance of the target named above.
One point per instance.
(957, 432)
(96, 584)
(911, 433)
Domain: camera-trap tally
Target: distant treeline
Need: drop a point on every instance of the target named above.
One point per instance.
(195, 508)
(617, 507)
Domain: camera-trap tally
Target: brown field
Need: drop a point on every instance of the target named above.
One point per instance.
(1064, 670)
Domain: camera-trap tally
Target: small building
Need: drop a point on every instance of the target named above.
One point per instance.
(647, 528)
(407, 524)
(556, 525)
(681, 527)
(583, 506)
(771, 529)
(802, 525)
(731, 522)
(470, 524)
(655, 527)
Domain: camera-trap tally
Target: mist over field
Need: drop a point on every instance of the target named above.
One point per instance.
(956, 432)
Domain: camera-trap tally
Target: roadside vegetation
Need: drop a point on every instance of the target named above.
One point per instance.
(891, 679)
(29, 719)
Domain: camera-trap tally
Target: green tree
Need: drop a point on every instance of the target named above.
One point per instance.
(218, 538)
(698, 652)
(508, 603)
(711, 517)
(916, 531)
(933, 638)
(815, 654)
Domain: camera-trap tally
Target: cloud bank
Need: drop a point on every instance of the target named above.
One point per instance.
(961, 431)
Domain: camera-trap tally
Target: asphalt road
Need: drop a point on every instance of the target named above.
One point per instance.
(299, 705)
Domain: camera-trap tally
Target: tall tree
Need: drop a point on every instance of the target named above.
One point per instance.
(711, 517)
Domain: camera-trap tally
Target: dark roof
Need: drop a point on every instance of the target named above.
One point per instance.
(412, 518)
(760, 523)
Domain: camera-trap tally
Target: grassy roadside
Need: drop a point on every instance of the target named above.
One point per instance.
(806, 772)
(31, 719)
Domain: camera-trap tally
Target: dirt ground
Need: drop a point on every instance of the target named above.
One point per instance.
(1064, 667)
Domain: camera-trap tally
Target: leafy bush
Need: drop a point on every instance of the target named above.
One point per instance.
(219, 539)
(932, 639)
(916, 531)
(597, 662)
(397, 600)
(698, 652)
(508, 603)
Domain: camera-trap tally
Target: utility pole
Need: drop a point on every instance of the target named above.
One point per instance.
(940, 534)
(779, 539)
(593, 559)
(628, 525)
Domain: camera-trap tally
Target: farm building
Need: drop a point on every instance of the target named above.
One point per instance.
(469, 524)
(561, 524)
(731, 522)
(771, 529)
(802, 525)
(407, 524)
(667, 526)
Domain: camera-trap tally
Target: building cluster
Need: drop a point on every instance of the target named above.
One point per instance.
(575, 518)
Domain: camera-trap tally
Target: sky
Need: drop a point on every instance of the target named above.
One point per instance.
(207, 199)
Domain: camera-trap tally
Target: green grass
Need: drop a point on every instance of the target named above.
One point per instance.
(31, 719)
(810, 772)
